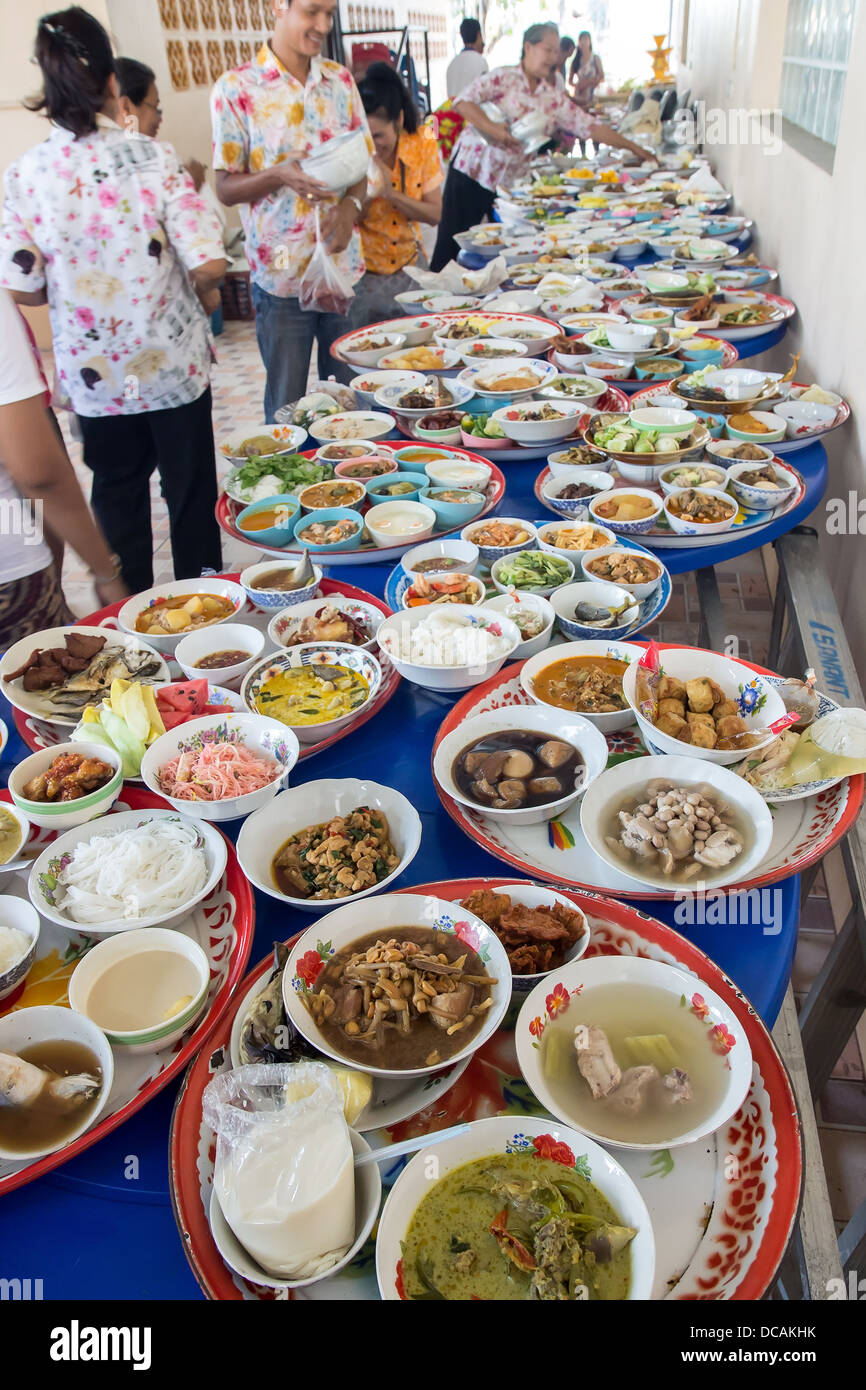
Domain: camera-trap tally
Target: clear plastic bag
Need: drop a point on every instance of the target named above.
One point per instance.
(324, 288)
(284, 1168)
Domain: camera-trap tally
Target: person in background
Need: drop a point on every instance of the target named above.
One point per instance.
(409, 173)
(488, 155)
(468, 64)
(110, 233)
(139, 107)
(35, 468)
(267, 116)
(587, 72)
(566, 48)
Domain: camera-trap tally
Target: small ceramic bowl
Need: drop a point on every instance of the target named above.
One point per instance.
(640, 590)
(776, 428)
(603, 367)
(367, 468)
(164, 642)
(163, 1009)
(624, 652)
(229, 637)
(576, 507)
(398, 522)
(266, 738)
(277, 598)
(377, 488)
(653, 314)
(324, 516)
(805, 417)
(338, 492)
(664, 419)
(65, 815)
(458, 471)
(470, 355)
(674, 478)
(491, 553)
(551, 529)
(513, 605)
(339, 451)
(25, 1028)
(285, 510)
(449, 434)
(22, 917)
(434, 579)
(721, 452)
(450, 513)
(685, 526)
(466, 554)
(622, 527)
(504, 585)
(757, 497)
(365, 425)
(367, 384)
(565, 600)
(283, 625)
(383, 344)
(516, 422)
(597, 461)
(355, 659)
(395, 640)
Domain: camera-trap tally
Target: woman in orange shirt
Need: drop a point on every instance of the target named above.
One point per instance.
(410, 175)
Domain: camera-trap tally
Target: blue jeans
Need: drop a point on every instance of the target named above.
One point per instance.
(285, 334)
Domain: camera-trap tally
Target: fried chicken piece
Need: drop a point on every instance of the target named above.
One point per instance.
(487, 905)
(532, 923)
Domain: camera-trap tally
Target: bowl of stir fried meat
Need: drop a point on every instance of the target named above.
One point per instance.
(398, 987)
(336, 619)
(639, 574)
(314, 846)
(583, 678)
(66, 785)
(540, 929)
(761, 485)
(699, 511)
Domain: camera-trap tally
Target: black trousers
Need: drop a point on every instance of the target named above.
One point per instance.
(464, 202)
(122, 451)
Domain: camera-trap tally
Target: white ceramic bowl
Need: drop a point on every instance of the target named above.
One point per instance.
(388, 398)
(289, 439)
(167, 642)
(805, 417)
(316, 803)
(619, 651)
(356, 659)
(503, 603)
(575, 507)
(523, 430)
(383, 343)
(738, 383)
(484, 377)
(339, 162)
(475, 585)
(557, 724)
(566, 599)
(627, 528)
(463, 551)
(702, 325)
(759, 497)
(16, 860)
(230, 637)
(552, 528)
(394, 638)
(514, 302)
(630, 337)
(416, 330)
(400, 523)
(491, 553)
(265, 737)
(64, 815)
(505, 347)
(453, 470)
(714, 465)
(558, 463)
(361, 424)
(773, 434)
(595, 364)
(368, 1197)
(640, 591)
(284, 624)
(685, 527)
(492, 1138)
(157, 1032)
(655, 315)
(533, 895)
(602, 972)
(367, 384)
(624, 784)
(721, 452)
(384, 914)
(667, 421)
(503, 585)
(277, 598)
(42, 882)
(25, 1028)
(332, 454)
(16, 913)
(759, 704)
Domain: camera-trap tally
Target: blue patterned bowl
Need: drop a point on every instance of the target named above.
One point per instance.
(355, 659)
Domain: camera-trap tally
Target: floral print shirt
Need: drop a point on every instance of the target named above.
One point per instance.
(509, 89)
(389, 239)
(109, 225)
(261, 114)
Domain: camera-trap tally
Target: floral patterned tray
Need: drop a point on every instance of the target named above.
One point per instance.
(723, 1209)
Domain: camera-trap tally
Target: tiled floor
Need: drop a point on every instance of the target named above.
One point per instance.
(238, 383)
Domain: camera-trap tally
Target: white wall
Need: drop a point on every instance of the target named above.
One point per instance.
(810, 225)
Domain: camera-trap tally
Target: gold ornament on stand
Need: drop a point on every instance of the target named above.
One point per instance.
(659, 55)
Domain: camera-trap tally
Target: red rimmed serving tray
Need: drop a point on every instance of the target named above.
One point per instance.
(781, 447)
(804, 830)
(38, 734)
(445, 316)
(226, 511)
(227, 916)
(730, 356)
(733, 1254)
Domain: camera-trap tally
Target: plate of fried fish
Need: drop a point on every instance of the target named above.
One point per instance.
(55, 673)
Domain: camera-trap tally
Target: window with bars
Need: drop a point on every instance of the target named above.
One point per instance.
(815, 64)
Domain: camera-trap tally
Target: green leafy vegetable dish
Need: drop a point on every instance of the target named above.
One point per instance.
(534, 570)
(274, 475)
(516, 1227)
(482, 426)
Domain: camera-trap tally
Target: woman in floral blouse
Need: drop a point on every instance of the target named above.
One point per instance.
(106, 227)
(488, 155)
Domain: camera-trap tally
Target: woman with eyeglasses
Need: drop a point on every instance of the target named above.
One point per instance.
(487, 154)
(139, 109)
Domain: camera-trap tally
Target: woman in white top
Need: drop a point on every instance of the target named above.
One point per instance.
(38, 488)
(106, 227)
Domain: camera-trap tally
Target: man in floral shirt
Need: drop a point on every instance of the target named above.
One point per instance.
(267, 116)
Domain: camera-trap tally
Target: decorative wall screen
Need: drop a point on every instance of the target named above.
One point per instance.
(815, 64)
(361, 17)
(203, 38)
